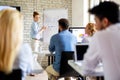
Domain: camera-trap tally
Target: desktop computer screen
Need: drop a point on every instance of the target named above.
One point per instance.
(79, 32)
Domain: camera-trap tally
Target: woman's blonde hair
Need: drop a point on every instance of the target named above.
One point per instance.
(91, 28)
(11, 31)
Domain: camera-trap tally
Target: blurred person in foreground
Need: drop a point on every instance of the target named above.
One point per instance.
(11, 28)
(104, 46)
(14, 54)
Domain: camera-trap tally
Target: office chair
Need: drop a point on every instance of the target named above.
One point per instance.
(65, 69)
(16, 74)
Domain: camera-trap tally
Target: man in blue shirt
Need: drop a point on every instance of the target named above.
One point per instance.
(63, 41)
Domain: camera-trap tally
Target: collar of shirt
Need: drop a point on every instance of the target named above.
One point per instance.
(64, 31)
(36, 22)
(37, 25)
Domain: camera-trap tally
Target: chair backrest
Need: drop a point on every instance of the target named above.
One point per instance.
(65, 69)
(14, 75)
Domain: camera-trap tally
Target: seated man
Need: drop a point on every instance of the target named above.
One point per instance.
(104, 45)
(63, 41)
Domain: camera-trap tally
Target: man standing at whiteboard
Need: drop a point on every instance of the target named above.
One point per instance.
(36, 32)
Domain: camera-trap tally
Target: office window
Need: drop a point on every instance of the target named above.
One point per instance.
(93, 3)
(89, 4)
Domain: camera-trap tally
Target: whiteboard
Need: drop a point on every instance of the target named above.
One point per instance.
(50, 19)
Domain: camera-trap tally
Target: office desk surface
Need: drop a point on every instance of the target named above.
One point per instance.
(78, 68)
(41, 76)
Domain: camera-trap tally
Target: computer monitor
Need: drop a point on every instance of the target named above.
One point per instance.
(78, 32)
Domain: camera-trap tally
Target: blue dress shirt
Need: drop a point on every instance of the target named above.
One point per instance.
(34, 30)
(63, 41)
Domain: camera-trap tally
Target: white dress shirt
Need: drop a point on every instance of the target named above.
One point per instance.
(27, 62)
(24, 60)
(105, 47)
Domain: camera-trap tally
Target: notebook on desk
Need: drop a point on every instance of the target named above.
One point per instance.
(80, 50)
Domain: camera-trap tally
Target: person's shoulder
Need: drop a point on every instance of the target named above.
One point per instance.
(72, 35)
(99, 33)
(33, 24)
(55, 35)
(25, 47)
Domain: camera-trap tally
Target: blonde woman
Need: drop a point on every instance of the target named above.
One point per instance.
(89, 31)
(13, 53)
(10, 38)
(11, 34)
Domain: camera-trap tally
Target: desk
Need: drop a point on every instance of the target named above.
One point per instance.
(50, 58)
(98, 73)
(49, 55)
(40, 76)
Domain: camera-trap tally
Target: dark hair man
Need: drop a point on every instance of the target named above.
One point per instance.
(104, 46)
(63, 41)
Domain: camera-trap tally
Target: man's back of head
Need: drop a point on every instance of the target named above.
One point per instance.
(63, 24)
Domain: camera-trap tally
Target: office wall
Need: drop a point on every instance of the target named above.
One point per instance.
(117, 1)
(77, 12)
(28, 6)
(80, 15)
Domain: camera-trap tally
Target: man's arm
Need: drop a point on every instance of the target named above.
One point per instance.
(91, 58)
(42, 29)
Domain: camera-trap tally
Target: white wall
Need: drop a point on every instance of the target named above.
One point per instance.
(117, 1)
(77, 13)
